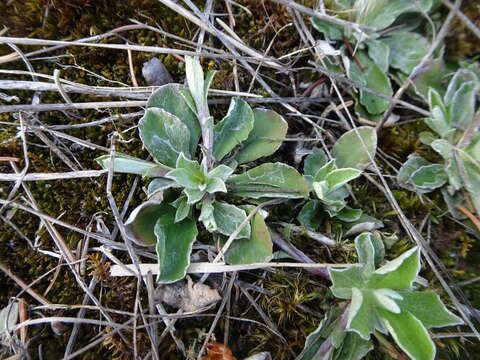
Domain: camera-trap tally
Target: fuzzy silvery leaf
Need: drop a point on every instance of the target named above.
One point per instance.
(462, 107)
(427, 137)
(350, 152)
(331, 31)
(311, 216)
(429, 177)
(362, 316)
(159, 184)
(228, 217)
(272, 180)
(188, 174)
(208, 82)
(255, 249)
(461, 77)
(410, 334)
(473, 149)
(321, 189)
(131, 165)
(443, 147)
(174, 245)
(194, 195)
(206, 216)
(407, 49)
(379, 14)
(324, 170)
(221, 171)
(471, 177)
(216, 185)
(387, 299)
(340, 177)
(366, 253)
(380, 53)
(349, 215)
(413, 163)
(8, 317)
(399, 273)
(266, 124)
(313, 162)
(141, 222)
(233, 129)
(196, 83)
(173, 98)
(427, 307)
(343, 280)
(439, 122)
(363, 224)
(164, 136)
(183, 208)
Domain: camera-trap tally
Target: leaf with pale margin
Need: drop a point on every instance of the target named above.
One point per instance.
(311, 216)
(266, 124)
(233, 129)
(399, 273)
(462, 108)
(8, 317)
(324, 170)
(410, 334)
(183, 208)
(256, 249)
(131, 165)
(164, 136)
(349, 151)
(196, 83)
(339, 177)
(206, 216)
(366, 253)
(194, 195)
(348, 214)
(159, 184)
(413, 163)
(174, 99)
(313, 162)
(221, 171)
(428, 308)
(362, 316)
(188, 174)
(353, 348)
(331, 31)
(272, 180)
(343, 280)
(407, 49)
(228, 217)
(174, 245)
(216, 185)
(141, 222)
(429, 177)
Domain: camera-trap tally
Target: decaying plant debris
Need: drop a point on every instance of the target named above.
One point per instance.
(277, 179)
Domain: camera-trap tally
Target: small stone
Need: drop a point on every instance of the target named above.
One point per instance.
(155, 73)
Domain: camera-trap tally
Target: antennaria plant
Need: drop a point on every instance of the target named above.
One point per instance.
(382, 299)
(192, 183)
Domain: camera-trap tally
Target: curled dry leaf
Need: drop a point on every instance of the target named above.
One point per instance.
(218, 351)
(186, 295)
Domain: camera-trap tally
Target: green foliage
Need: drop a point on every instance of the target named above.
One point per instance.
(452, 116)
(381, 299)
(185, 185)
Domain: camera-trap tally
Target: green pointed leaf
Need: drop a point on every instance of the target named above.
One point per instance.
(362, 317)
(233, 129)
(130, 165)
(364, 223)
(257, 248)
(463, 105)
(471, 177)
(228, 218)
(387, 300)
(183, 208)
(174, 245)
(413, 163)
(141, 222)
(404, 56)
(340, 177)
(461, 77)
(429, 177)
(380, 54)
(343, 280)
(160, 184)
(313, 162)
(216, 185)
(349, 215)
(266, 124)
(397, 274)
(188, 174)
(311, 216)
(428, 308)
(206, 216)
(221, 171)
(272, 180)
(196, 83)
(366, 253)
(410, 334)
(353, 348)
(331, 31)
(174, 99)
(349, 151)
(324, 170)
(164, 136)
(194, 195)
(443, 147)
